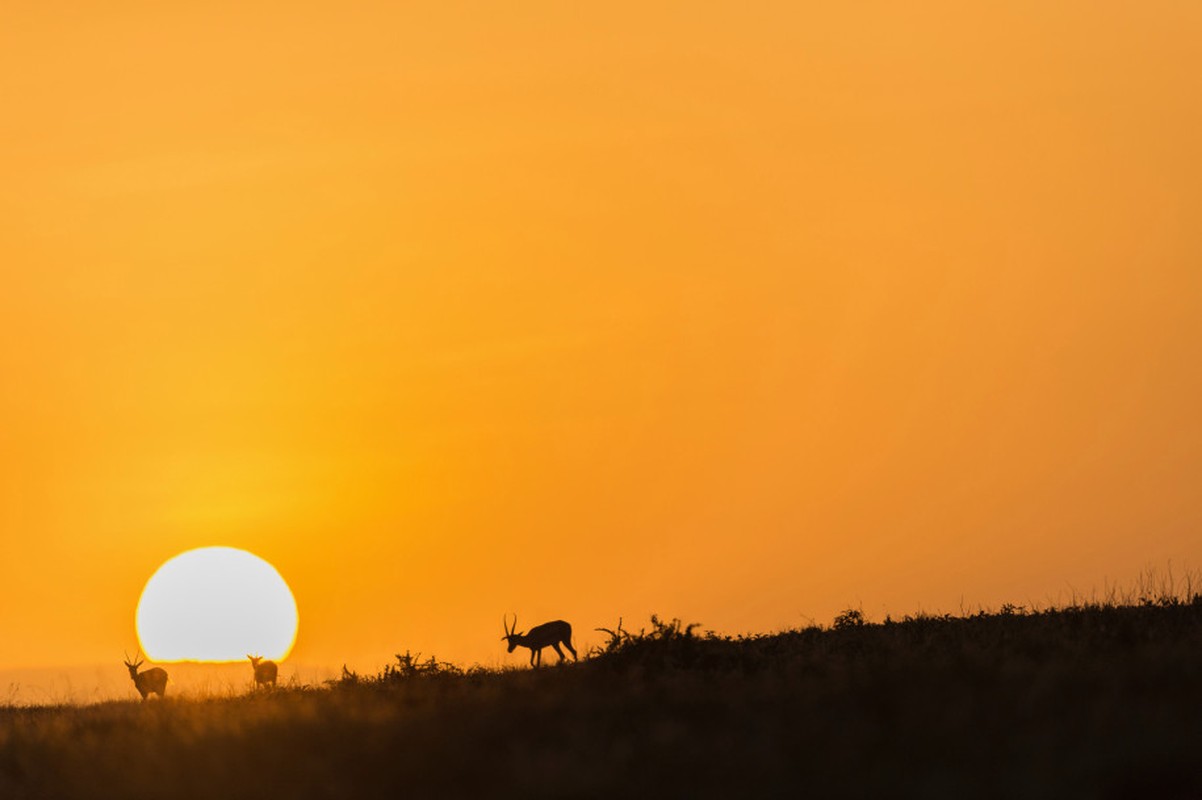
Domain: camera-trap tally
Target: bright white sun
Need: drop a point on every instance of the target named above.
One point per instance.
(216, 604)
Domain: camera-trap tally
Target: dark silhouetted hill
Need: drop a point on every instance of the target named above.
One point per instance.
(1093, 701)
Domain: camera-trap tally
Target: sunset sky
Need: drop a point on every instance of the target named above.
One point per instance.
(743, 313)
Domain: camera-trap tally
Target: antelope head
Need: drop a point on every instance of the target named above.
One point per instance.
(511, 636)
(133, 665)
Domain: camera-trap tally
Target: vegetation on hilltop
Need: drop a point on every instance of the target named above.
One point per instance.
(1098, 699)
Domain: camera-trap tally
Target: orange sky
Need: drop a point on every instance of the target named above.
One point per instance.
(738, 314)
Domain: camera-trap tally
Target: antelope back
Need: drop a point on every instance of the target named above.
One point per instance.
(550, 633)
(153, 681)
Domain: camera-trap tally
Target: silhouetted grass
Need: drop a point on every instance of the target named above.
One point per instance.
(1098, 699)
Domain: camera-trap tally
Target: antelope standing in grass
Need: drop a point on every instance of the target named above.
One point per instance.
(549, 634)
(265, 671)
(147, 682)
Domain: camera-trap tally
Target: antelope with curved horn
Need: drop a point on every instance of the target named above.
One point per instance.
(265, 671)
(147, 682)
(549, 634)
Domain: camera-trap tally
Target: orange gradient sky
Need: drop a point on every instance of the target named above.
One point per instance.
(743, 313)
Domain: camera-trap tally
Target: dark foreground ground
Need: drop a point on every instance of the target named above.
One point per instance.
(1094, 702)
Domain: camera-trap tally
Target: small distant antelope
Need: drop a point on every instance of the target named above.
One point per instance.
(265, 672)
(148, 682)
(549, 634)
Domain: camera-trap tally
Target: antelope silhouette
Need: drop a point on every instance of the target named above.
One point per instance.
(147, 682)
(549, 634)
(265, 671)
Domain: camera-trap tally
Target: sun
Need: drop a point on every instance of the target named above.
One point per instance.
(216, 604)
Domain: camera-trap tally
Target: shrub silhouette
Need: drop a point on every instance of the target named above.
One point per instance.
(851, 618)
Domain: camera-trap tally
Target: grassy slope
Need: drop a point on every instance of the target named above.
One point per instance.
(1088, 702)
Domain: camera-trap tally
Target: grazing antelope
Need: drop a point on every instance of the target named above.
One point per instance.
(147, 682)
(265, 671)
(549, 634)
